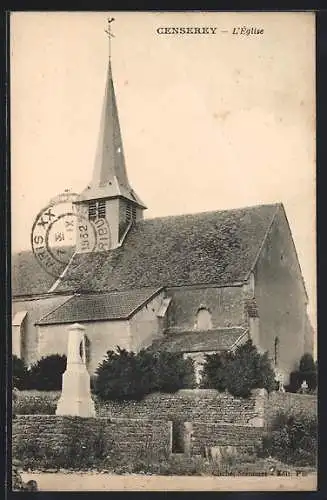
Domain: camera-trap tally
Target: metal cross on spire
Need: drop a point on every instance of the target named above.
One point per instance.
(109, 33)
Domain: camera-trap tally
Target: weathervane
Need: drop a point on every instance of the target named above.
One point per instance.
(109, 33)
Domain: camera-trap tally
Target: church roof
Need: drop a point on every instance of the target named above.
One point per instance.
(97, 307)
(221, 339)
(27, 276)
(218, 248)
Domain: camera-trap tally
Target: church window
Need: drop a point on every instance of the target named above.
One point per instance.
(203, 319)
(276, 351)
(97, 210)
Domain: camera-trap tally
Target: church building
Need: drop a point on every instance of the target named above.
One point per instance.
(194, 284)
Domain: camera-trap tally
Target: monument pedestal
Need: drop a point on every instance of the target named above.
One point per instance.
(76, 397)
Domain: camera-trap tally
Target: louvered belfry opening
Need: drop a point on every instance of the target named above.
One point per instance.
(97, 210)
(130, 213)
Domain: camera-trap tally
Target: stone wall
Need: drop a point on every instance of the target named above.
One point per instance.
(74, 442)
(184, 405)
(226, 306)
(187, 406)
(281, 298)
(289, 402)
(210, 434)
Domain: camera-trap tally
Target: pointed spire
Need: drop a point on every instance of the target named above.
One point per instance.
(109, 174)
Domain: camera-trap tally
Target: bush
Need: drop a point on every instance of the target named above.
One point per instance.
(46, 374)
(20, 374)
(214, 375)
(125, 375)
(293, 439)
(307, 371)
(240, 372)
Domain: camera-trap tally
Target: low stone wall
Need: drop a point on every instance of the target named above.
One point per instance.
(43, 441)
(205, 434)
(288, 402)
(188, 405)
(184, 405)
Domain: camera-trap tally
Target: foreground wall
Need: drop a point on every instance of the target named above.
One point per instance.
(211, 434)
(48, 441)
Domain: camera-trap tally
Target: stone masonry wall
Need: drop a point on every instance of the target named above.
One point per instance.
(209, 434)
(72, 442)
(187, 406)
(226, 306)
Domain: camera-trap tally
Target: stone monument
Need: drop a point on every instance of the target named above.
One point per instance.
(75, 396)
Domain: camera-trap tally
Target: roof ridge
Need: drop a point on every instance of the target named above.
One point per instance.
(190, 214)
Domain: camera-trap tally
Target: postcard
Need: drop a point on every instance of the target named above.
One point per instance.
(163, 251)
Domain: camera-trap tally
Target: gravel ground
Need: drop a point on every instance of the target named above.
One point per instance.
(137, 482)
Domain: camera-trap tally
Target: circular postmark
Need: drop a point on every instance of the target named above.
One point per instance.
(61, 229)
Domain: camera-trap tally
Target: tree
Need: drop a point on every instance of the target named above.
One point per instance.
(46, 374)
(240, 372)
(118, 376)
(308, 371)
(215, 371)
(126, 375)
(173, 372)
(20, 373)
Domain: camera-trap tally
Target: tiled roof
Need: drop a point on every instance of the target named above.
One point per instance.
(95, 307)
(221, 339)
(211, 247)
(205, 248)
(27, 276)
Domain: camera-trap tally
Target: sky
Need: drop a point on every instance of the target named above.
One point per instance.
(208, 122)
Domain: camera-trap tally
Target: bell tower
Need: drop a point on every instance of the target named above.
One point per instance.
(109, 195)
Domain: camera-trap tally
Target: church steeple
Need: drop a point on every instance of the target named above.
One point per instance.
(110, 185)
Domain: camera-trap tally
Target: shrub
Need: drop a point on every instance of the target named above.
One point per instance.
(171, 372)
(214, 374)
(118, 377)
(293, 439)
(20, 373)
(125, 375)
(307, 371)
(46, 374)
(240, 372)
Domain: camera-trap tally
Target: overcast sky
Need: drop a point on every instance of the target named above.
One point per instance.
(209, 122)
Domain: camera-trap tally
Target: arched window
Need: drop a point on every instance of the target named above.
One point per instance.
(276, 351)
(203, 319)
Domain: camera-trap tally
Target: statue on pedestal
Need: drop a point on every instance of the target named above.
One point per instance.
(76, 392)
